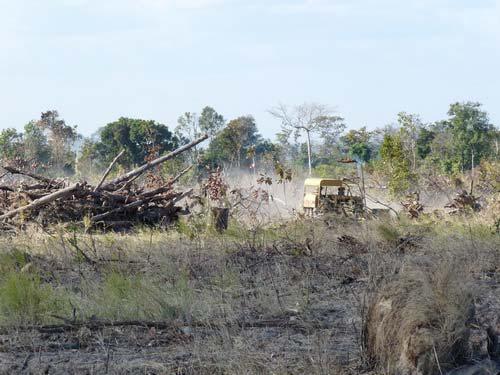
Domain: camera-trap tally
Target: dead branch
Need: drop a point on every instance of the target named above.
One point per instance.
(42, 201)
(109, 170)
(120, 209)
(375, 200)
(181, 197)
(178, 177)
(160, 160)
(29, 174)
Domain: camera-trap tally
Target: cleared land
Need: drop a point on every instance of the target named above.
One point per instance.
(290, 298)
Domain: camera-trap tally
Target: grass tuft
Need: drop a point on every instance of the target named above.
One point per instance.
(25, 299)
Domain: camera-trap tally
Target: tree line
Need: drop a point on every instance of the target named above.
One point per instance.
(312, 140)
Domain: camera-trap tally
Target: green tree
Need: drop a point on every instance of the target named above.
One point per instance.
(471, 133)
(397, 165)
(139, 138)
(442, 149)
(10, 144)
(35, 144)
(188, 127)
(233, 144)
(357, 144)
(424, 142)
(187, 130)
(89, 159)
(210, 121)
(410, 125)
(61, 138)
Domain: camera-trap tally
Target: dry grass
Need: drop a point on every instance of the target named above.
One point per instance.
(418, 321)
(284, 299)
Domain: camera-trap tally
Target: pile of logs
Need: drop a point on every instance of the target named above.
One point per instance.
(463, 202)
(119, 203)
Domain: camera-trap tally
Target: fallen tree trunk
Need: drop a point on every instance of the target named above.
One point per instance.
(181, 197)
(42, 201)
(126, 207)
(32, 175)
(183, 172)
(143, 168)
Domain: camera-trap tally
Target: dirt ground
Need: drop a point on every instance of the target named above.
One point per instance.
(291, 303)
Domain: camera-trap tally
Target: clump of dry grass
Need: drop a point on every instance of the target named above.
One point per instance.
(417, 322)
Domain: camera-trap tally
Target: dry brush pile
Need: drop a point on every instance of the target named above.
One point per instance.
(116, 203)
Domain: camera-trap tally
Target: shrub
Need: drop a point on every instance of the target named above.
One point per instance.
(24, 299)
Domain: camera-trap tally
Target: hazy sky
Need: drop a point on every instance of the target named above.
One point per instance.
(97, 60)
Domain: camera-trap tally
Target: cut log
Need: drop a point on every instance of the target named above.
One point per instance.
(125, 207)
(42, 201)
(128, 183)
(138, 171)
(109, 170)
(182, 196)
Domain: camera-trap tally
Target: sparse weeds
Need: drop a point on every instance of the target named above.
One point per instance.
(25, 299)
(285, 288)
(122, 296)
(13, 260)
(389, 232)
(119, 297)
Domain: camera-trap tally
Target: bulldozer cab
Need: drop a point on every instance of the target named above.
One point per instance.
(322, 195)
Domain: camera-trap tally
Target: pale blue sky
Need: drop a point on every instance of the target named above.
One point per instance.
(95, 60)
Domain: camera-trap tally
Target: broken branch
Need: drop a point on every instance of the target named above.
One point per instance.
(145, 167)
(109, 170)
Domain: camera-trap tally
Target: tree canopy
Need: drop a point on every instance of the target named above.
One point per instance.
(139, 138)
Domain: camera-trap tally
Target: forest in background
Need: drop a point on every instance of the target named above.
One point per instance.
(401, 156)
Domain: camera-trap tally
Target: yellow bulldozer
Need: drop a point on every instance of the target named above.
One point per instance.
(325, 195)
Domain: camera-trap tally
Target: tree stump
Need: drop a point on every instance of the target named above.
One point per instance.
(220, 218)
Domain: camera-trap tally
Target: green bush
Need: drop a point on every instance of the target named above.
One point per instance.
(24, 299)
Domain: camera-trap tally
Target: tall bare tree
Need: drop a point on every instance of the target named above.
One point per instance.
(308, 119)
(61, 138)
(188, 129)
(411, 124)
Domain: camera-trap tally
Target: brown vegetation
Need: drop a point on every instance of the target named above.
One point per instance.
(290, 298)
(418, 322)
